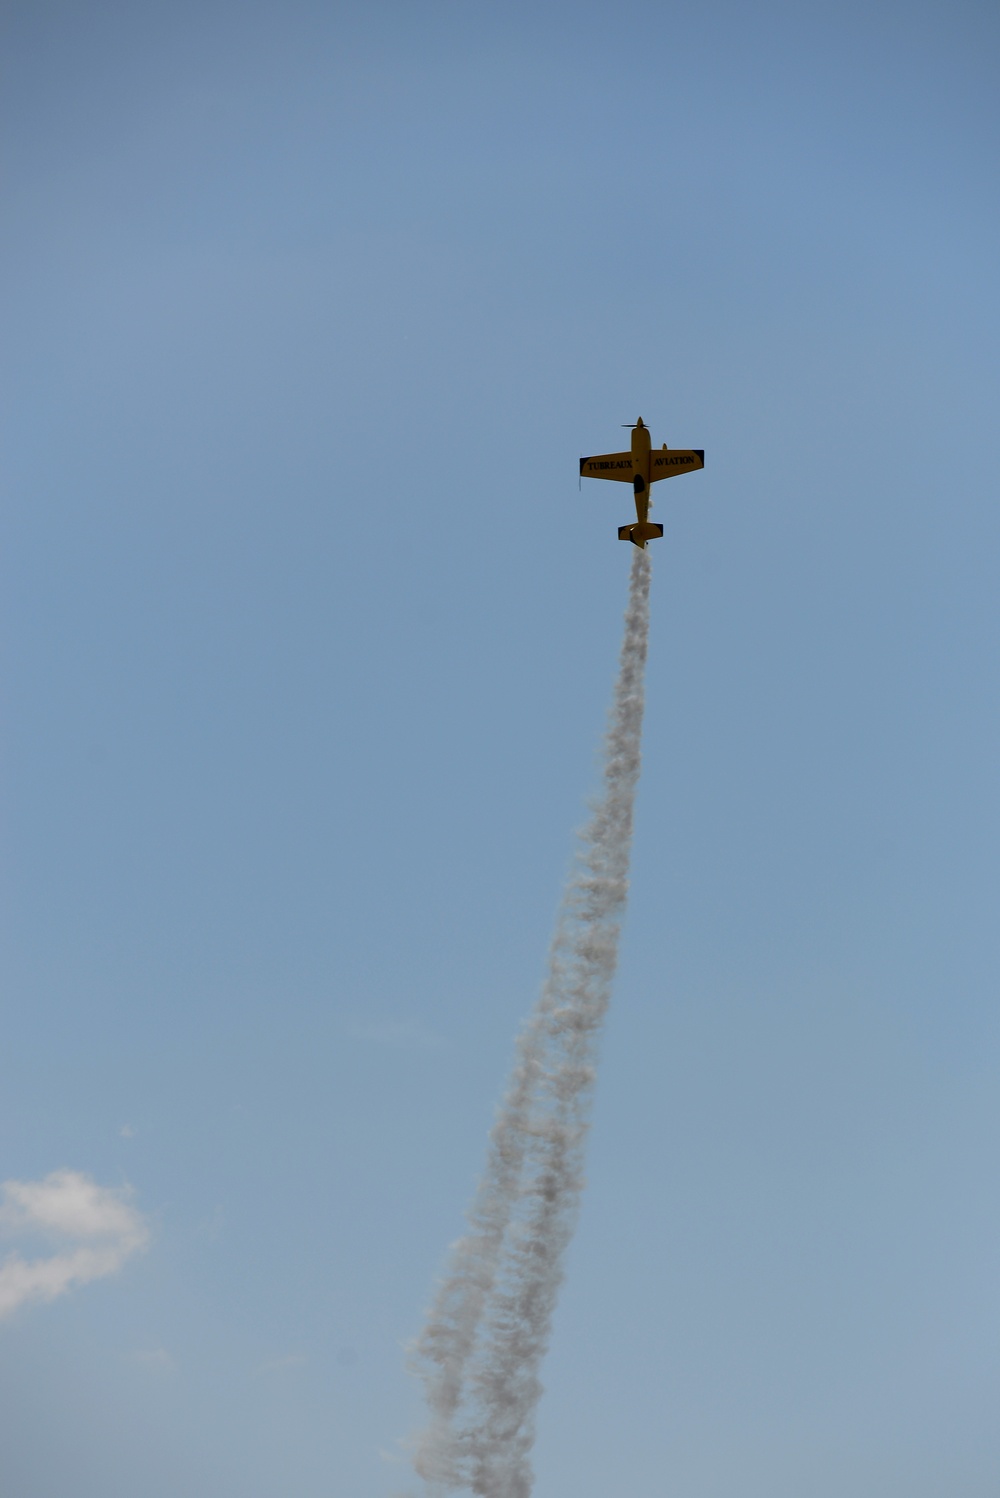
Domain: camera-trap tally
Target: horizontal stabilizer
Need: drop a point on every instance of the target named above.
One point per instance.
(640, 533)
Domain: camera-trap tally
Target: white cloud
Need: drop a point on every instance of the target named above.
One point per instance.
(93, 1230)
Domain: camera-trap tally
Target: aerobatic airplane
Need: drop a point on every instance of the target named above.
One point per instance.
(642, 467)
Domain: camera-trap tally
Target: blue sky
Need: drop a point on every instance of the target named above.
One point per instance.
(309, 633)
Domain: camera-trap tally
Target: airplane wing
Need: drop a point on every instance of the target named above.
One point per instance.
(608, 466)
(666, 463)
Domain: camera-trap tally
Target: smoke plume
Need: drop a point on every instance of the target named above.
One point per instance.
(489, 1326)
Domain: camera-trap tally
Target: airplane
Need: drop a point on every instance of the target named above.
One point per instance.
(643, 466)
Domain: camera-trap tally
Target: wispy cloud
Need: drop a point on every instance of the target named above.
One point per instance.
(402, 1034)
(282, 1364)
(92, 1229)
(213, 1225)
(156, 1359)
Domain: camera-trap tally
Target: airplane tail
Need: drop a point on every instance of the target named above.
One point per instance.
(640, 533)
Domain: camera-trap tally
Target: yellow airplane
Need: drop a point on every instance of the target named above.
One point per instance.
(642, 467)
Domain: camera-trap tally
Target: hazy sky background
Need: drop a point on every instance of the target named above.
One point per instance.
(309, 312)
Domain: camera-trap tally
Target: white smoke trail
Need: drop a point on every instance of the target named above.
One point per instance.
(488, 1328)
